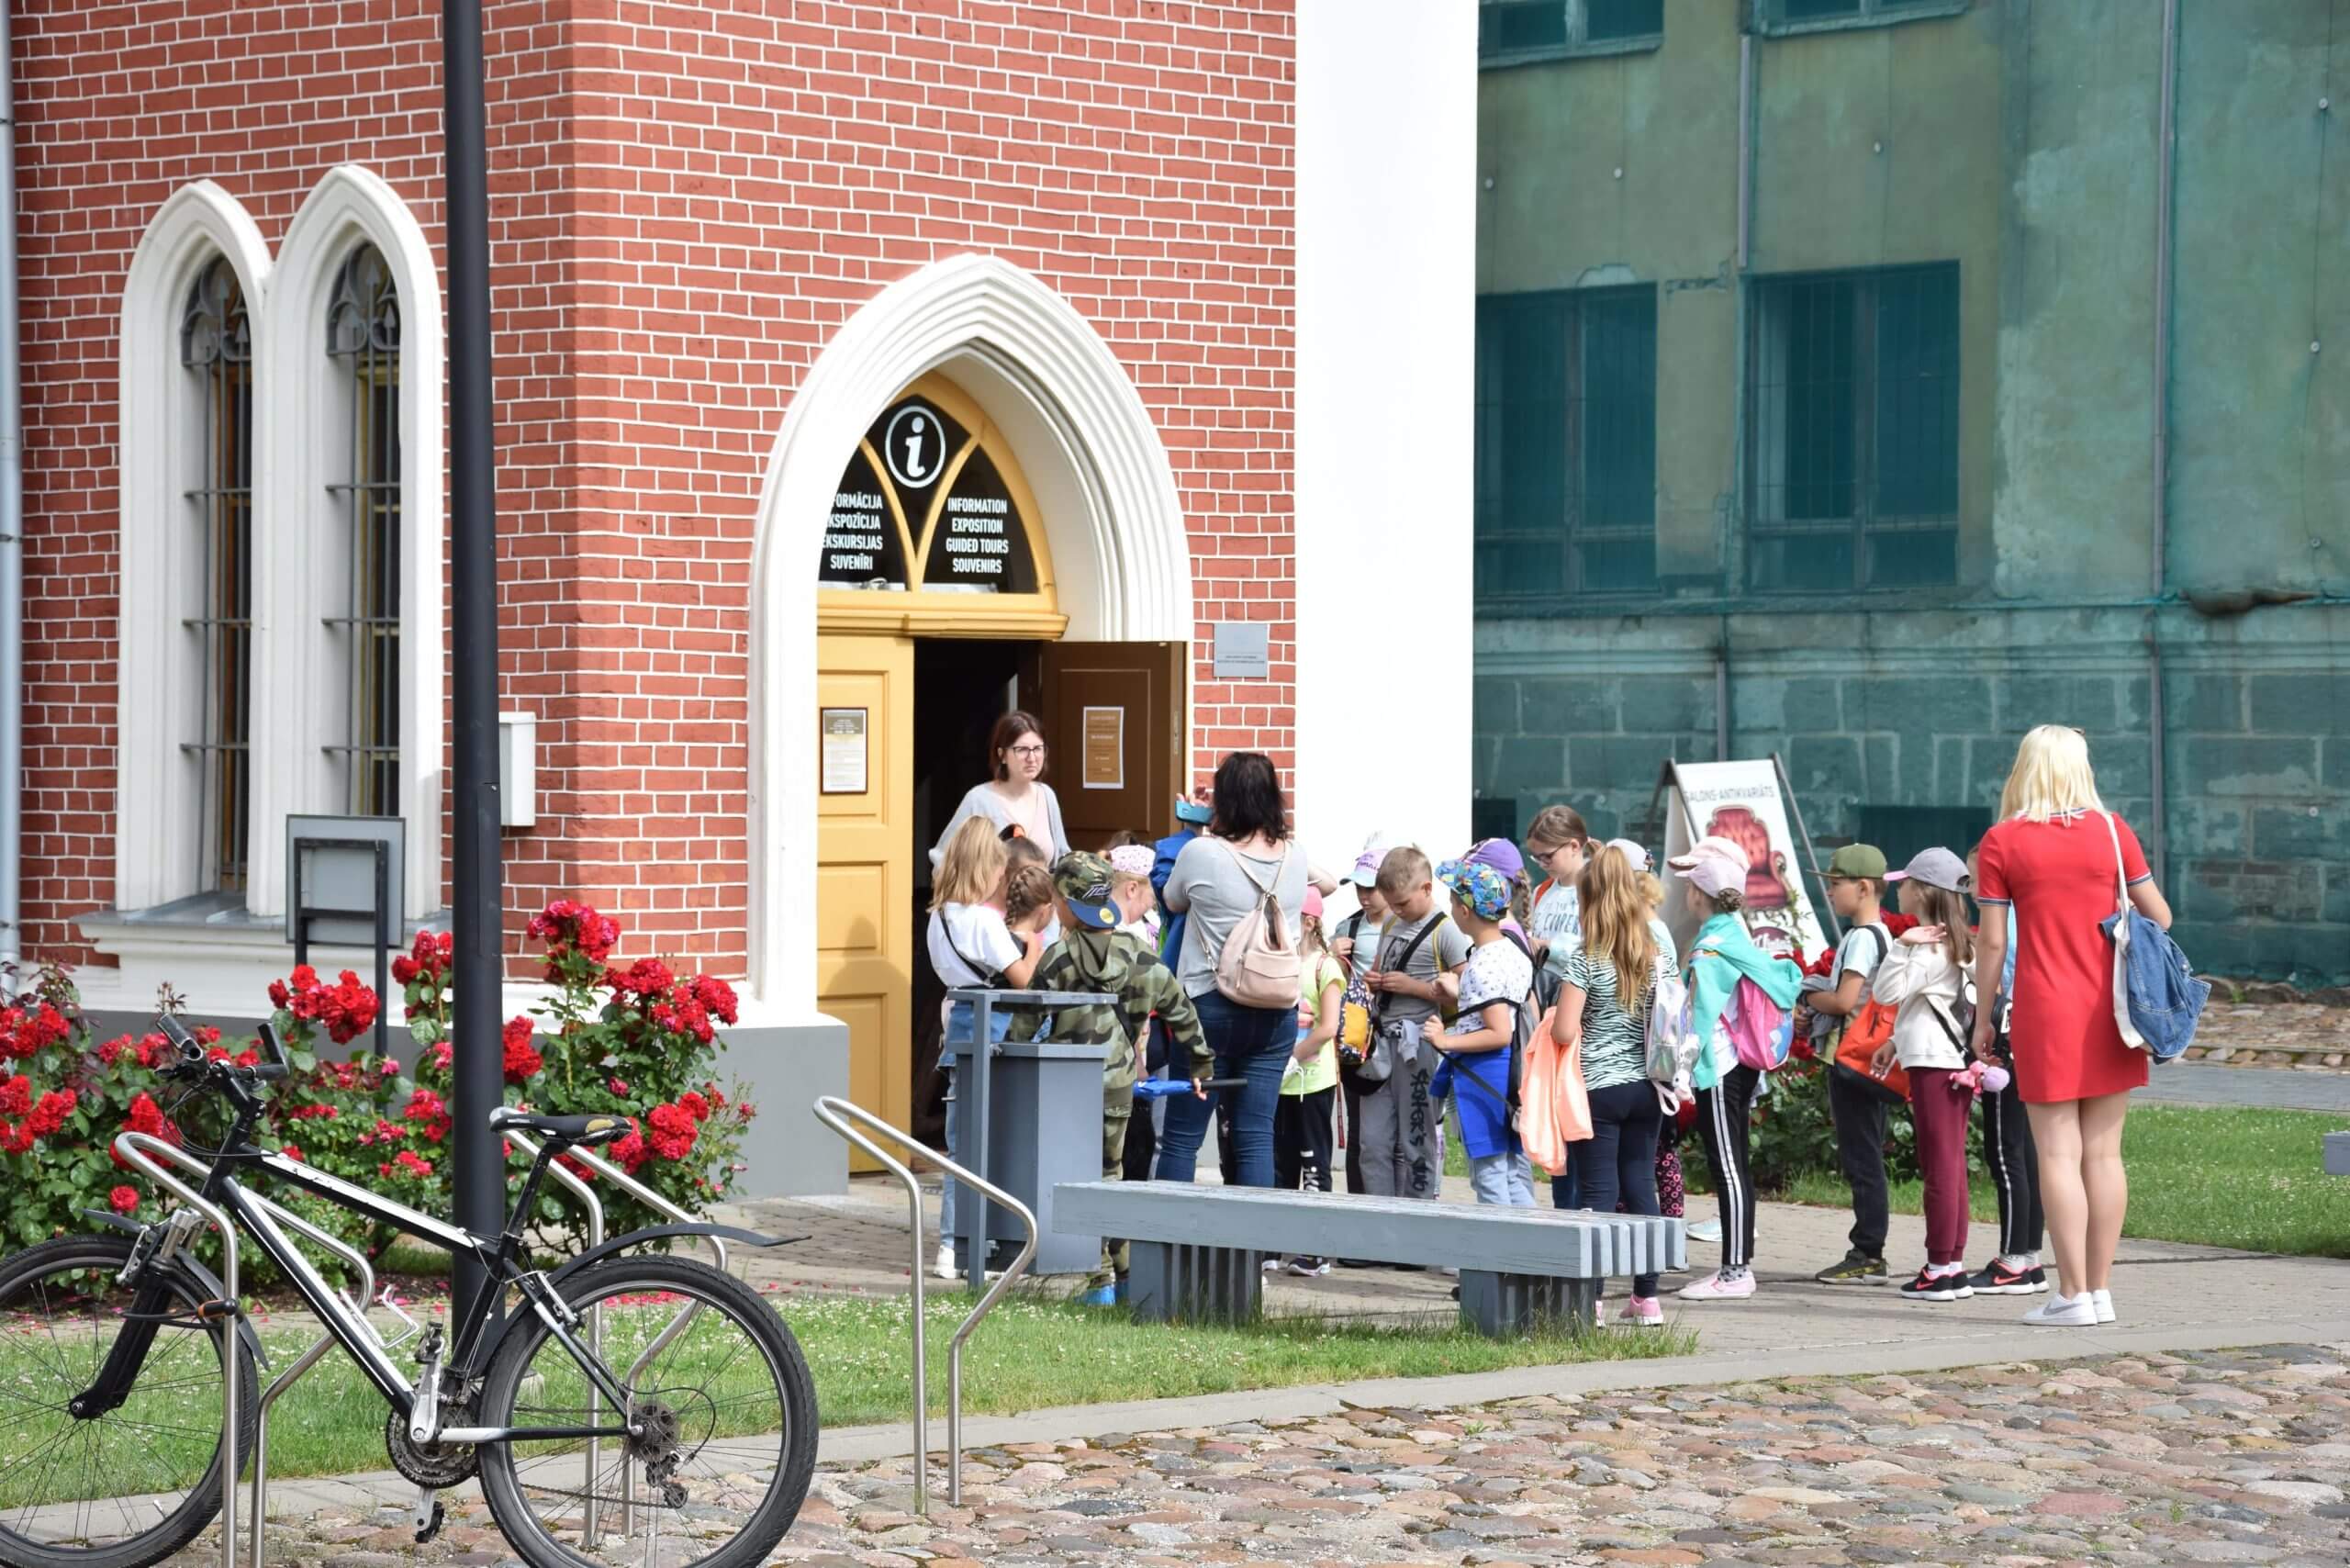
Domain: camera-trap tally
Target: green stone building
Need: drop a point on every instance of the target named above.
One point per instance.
(1869, 380)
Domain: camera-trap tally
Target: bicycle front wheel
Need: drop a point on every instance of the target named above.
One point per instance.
(718, 1384)
(127, 1487)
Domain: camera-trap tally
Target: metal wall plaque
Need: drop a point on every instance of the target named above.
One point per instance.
(1243, 650)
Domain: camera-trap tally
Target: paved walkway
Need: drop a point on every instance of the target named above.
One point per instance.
(2154, 1459)
(2275, 1089)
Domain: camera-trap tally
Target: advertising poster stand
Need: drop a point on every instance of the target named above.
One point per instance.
(1749, 802)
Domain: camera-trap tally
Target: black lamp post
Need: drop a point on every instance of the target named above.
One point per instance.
(479, 1174)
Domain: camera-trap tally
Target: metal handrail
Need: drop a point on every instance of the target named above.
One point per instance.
(134, 1150)
(836, 1113)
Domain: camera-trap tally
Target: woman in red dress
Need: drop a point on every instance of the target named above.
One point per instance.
(2056, 864)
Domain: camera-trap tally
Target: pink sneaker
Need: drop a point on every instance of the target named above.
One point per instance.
(1642, 1312)
(1713, 1287)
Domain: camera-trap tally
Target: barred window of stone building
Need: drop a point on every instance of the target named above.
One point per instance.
(216, 348)
(1510, 31)
(1566, 442)
(1798, 14)
(363, 339)
(1852, 430)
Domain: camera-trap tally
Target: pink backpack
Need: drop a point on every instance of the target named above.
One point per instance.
(1761, 1031)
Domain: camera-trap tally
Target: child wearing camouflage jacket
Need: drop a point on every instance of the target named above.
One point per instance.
(1093, 954)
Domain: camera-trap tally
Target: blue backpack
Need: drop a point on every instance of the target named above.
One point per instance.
(2157, 1000)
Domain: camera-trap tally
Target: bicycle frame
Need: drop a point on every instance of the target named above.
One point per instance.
(474, 1338)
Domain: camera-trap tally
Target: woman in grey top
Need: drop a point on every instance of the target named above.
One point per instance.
(1016, 797)
(1219, 878)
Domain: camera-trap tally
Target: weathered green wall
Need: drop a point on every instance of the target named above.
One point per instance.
(2021, 140)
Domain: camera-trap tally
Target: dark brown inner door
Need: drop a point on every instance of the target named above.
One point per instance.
(1113, 716)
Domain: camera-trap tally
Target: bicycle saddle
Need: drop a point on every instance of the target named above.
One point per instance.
(582, 1131)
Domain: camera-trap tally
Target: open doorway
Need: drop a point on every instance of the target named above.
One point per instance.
(961, 686)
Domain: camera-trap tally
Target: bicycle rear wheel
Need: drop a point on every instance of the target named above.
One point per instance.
(721, 1387)
(131, 1486)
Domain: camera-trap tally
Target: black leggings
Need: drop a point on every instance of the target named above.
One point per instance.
(1723, 1112)
(1619, 1159)
(2014, 1164)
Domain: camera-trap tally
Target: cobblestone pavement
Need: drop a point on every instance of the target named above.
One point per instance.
(2210, 1458)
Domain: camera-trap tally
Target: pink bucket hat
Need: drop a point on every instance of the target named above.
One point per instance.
(1714, 864)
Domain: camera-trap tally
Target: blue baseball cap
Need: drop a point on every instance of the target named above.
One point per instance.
(1082, 879)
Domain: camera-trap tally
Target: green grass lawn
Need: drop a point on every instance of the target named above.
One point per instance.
(2224, 1178)
(1031, 1352)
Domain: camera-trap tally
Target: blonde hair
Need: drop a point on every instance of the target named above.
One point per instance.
(1310, 941)
(1029, 889)
(1615, 922)
(2051, 775)
(1651, 889)
(1404, 869)
(970, 868)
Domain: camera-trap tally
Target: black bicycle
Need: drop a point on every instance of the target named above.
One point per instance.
(681, 1430)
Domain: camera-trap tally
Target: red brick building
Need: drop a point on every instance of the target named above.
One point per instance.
(727, 239)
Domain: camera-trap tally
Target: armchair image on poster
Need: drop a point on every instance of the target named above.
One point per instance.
(1743, 802)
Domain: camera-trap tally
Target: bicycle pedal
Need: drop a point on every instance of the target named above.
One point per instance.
(431, 1526)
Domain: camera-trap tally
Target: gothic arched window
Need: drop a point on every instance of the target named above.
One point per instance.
(363, 341)
(216, 349)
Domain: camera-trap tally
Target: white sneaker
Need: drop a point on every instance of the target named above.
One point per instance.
(945, 1269)
(2064, 1311)
(1704, 1230)
(2104, 1300)
(1272, 1265)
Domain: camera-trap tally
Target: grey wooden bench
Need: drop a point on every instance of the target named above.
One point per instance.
(2338, 1154)
(1198, 1251)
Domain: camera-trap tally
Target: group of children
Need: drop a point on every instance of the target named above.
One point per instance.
(1417, 999)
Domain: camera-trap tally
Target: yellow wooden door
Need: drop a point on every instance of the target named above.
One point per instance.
(863, 861)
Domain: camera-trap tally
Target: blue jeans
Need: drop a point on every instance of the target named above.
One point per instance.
(1566, 1191)
(1250, 1043)
(1507, 1180)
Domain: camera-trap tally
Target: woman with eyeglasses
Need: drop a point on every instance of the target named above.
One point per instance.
(1017, 800)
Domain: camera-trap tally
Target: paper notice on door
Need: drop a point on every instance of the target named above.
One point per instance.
(844, 751)
(1105, 749)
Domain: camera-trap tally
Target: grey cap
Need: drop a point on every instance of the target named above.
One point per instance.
(1936, 869)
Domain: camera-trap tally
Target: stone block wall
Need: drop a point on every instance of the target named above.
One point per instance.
(2256, 743)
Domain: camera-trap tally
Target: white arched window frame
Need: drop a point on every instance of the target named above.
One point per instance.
(302, 718)
(160, 458)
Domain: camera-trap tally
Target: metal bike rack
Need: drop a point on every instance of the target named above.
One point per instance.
(838, 1114)
(590, 1514)
(135, 1150)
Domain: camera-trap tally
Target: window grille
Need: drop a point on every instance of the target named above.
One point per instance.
(216, 348)
(1566, 442)
(1852, 430)
(364, 340)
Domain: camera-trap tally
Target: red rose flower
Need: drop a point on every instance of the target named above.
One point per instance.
(671, 1131)
(425, 1109)
(16, 1096)
(694, 1105)
(629, 1151)
(289, 1151)
(123, 1200)
(523, 1058)
(113, 1050)
(51, 1113)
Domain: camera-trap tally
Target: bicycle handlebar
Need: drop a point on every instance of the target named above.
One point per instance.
(195, 1064)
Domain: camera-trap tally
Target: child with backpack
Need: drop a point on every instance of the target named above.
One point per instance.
(2010, 1157)
(971, 946)
(1305, 1121)
(1604, 1007)
(1355, 946)
(1924, 980)
(1739, 1012)
(1402, 1156)
(1857, 1102)
(1093, 954)
(1482, 1043)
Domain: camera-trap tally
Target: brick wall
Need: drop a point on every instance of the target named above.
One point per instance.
(686, 201)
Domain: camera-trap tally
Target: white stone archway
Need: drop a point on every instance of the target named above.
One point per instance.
(1113, 519)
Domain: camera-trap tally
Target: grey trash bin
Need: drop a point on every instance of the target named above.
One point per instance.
(1029, 1118)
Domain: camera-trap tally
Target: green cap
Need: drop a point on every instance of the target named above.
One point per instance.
(1858, 860)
